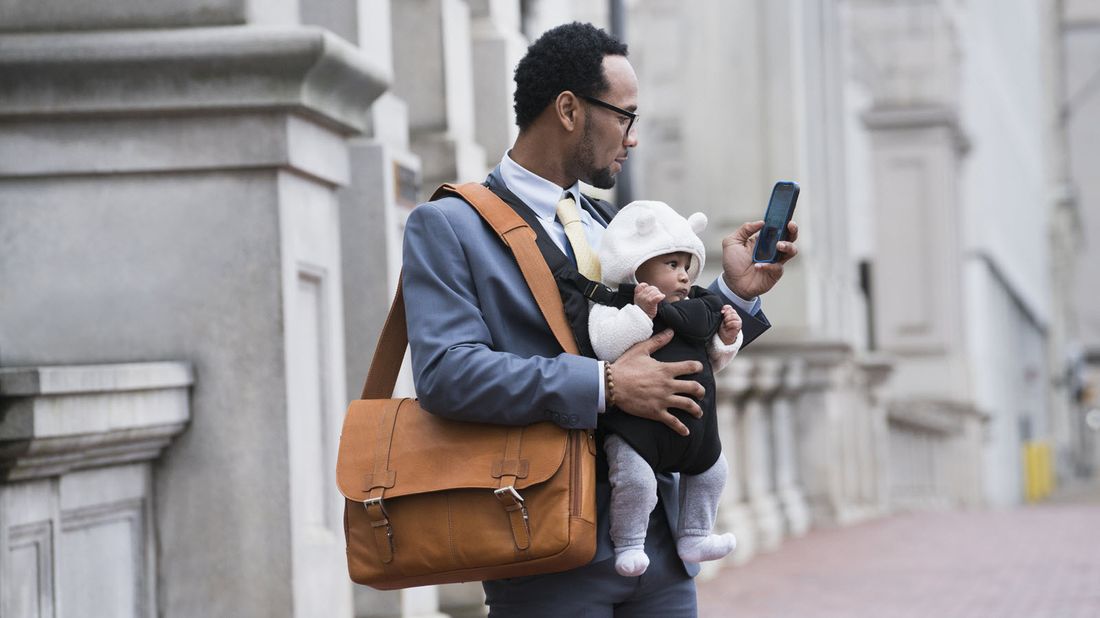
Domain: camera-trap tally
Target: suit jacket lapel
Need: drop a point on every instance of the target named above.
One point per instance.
(601, 211)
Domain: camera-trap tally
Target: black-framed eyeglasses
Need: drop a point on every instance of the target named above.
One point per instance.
(632, 116)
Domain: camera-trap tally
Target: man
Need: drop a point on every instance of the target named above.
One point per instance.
(481, 350)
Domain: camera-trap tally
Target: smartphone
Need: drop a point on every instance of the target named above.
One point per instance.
(779, 213)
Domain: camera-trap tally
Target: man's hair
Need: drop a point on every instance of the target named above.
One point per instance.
(568, 57)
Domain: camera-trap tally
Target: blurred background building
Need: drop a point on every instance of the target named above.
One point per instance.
(201, 204)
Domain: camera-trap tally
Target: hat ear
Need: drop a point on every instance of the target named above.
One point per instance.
(698, 222)
(645, 223)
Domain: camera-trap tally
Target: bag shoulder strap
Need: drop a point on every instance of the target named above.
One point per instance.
(520, 239)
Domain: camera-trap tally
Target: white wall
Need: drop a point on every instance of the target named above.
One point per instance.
(1005, 218)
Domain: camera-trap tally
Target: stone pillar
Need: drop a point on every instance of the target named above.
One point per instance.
(850, 451)
(818, 434)
(77, 511)
(756, 425)
(917, 145)
(734, 514)
(787, 485)
(498, 46)
(876, 370)
(192, 174)
(433, 75)
(384, 186)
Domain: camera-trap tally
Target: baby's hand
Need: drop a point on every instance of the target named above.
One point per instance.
(647, 297)
(731, 325)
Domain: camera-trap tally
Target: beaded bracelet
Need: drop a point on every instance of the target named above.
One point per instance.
(609, 385)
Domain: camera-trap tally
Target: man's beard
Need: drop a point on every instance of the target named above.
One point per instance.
(601, 178)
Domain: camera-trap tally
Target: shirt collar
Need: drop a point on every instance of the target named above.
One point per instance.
(541, 195)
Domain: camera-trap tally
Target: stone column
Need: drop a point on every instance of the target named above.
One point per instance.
(819, 416)
(433, 75)
(851, 451)
(756, 426)
(876, 371)
(77, 511)
(498, 46)
(191, 174)
(787, 486)
(734, 514)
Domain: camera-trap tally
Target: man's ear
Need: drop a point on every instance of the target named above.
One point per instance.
(568, 110)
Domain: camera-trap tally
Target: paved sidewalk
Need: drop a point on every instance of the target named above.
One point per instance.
(1029, 562)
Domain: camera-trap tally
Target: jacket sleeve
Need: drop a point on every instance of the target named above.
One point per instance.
(612, 331)
(459, 369)
(694, 318)
(752, 325)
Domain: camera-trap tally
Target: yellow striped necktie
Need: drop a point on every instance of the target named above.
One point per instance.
(587, 263)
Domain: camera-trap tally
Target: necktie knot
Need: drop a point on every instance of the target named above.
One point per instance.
(567, 211)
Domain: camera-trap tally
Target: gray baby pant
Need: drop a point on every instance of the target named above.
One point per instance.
(634, 495)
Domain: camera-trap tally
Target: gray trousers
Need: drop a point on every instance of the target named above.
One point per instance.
(634, 494)
(595, 590)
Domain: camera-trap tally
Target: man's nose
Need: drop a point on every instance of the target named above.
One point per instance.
(630, 140)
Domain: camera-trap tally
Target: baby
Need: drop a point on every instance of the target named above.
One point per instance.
(652, 256)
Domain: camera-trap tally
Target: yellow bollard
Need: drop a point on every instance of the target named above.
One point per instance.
(1031, 472)
(1038, 460)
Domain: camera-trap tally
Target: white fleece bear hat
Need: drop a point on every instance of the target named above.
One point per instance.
(645, 229)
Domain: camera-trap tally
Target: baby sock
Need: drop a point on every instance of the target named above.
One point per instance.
(706, 547)
(630, 561)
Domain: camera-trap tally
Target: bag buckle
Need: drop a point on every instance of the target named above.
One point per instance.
(385, 521)
(513, 505)
(369, 502)
(509, 492)
(511, 500)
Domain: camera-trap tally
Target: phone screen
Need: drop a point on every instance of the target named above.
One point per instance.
(780, 209)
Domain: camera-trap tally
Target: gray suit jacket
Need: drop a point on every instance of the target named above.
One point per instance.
(481, 350)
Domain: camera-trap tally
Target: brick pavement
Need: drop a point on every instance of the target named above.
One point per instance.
(1029, 562)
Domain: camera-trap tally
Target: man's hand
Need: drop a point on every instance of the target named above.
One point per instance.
(744, 277)
(648, 388)
(647, 298)
(731, 325)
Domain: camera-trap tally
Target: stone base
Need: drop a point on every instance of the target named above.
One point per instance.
(769, 522)
(738, 519)
(793, 504)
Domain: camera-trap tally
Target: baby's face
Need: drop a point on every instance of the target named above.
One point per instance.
(668, 273)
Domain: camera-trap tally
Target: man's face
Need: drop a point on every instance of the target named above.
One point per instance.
(605, 140)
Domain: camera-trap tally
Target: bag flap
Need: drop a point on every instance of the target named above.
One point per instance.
(427, 453)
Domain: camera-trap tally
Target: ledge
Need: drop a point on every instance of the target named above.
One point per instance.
(938, 416)
(63, 380)
(884, 118)
(814, 351)
(907, 116)
(57, 419)
(171, 71)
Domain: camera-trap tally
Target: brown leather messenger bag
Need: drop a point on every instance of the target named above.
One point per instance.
(435, 501)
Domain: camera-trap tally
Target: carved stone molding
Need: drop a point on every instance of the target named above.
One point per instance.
(188, 70)
(936, 416)
(57, 419)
